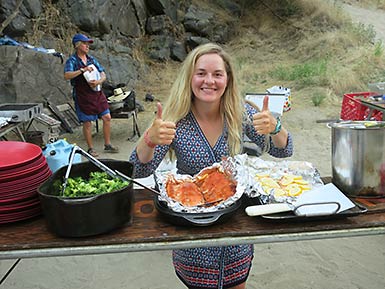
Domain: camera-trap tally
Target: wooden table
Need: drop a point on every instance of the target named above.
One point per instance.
(149, 231)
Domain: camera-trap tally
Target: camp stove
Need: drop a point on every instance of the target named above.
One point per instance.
(20, 112)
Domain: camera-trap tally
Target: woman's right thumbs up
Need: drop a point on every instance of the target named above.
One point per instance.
(161, 132)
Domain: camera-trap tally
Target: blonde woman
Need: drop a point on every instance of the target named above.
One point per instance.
(205, 119)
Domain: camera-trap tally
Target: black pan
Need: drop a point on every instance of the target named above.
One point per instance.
(87, 216)
(195, 219)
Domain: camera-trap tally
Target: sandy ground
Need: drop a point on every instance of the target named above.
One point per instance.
(357, 262)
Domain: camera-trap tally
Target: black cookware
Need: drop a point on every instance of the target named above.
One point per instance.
(87, 216)
(195, 219)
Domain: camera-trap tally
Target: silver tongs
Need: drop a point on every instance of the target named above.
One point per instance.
(103, 167)
(109, 171)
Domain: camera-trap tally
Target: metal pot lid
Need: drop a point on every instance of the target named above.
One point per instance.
(358, 124)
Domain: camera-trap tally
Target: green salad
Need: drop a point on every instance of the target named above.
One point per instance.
(97, 183)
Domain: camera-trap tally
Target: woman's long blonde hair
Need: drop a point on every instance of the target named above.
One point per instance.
(180, 100)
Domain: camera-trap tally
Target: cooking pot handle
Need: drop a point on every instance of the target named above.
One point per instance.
(320, 213)
(330, 123)
(80, 201)
(202, 219)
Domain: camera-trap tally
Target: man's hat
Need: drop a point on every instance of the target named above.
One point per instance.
(81, 37)
(119, 95)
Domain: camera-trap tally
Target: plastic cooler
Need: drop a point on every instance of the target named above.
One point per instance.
(353, 109)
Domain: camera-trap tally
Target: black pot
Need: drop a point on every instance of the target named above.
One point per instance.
(195, 219)
(87, 216)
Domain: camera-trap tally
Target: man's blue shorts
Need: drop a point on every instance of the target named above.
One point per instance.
(89, 117)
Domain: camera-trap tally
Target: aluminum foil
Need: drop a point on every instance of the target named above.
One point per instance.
(230, 165)
(243, 168)
(276, 170)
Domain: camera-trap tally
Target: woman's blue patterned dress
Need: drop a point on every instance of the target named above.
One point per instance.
(213, 267)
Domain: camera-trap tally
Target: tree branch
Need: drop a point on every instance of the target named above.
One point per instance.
(10, 17)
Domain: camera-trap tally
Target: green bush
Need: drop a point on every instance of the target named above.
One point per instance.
(306, 74)
(318, 98)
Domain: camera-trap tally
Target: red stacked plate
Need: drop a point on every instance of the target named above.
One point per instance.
(23, 168)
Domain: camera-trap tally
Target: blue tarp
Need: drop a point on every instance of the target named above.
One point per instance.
(9, 41)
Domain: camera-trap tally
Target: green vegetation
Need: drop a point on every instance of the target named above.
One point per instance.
(97, 183)
(317, 99)
(378, 49)
(310, 73)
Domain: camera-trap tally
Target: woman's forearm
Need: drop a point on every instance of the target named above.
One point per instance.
(144, 152)
(280, 139)
(72, 74)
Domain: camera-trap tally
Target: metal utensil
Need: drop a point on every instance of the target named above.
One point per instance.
(357, 156)
(260, 210)
(321, 201)
(123, 176)
(103, 167)
(99, 164)
(110, 172)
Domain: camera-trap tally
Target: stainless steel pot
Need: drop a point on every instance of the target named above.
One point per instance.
(358, 157)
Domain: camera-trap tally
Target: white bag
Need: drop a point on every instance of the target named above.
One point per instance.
(93, 75)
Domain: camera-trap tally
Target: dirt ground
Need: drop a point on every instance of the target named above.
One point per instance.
(312, 140)
(357, 262)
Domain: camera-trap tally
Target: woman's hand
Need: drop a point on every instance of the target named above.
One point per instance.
(88, 68)
(161, 132)
(264, 122)
(94, 83)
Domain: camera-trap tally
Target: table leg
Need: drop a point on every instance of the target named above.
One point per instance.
(20, 133)
(135, 126)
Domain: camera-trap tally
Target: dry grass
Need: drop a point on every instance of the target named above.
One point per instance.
(157, 79)
(52, 22)
(302, 44)
(316, 51)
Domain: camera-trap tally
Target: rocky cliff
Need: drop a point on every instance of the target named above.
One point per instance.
(126, 32)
